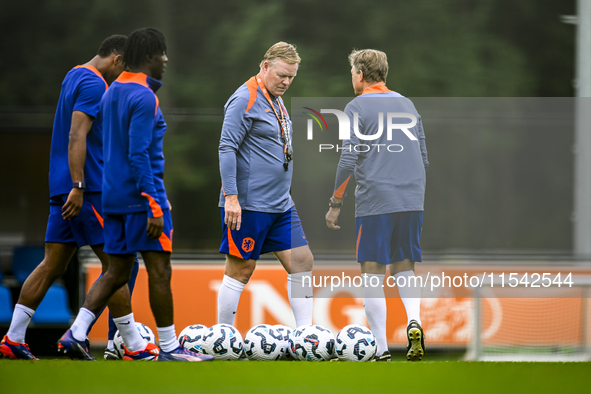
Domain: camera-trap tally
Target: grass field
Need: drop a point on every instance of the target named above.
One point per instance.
(65, 376)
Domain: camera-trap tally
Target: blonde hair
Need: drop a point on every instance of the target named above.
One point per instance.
(373, 63)
(281, 51)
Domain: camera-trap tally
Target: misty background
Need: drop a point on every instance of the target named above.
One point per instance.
(497, 183)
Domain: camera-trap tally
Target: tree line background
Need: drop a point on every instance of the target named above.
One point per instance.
(487, 189)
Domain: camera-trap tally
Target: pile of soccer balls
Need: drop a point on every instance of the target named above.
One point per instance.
(265, 342)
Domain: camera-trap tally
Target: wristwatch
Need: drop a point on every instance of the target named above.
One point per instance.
(333, 204)
(78, 185)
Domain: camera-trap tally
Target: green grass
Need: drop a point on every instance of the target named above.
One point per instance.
(65, 376)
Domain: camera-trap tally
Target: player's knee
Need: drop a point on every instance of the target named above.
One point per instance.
(118, 281)
(239, 269)
(160, 272)
(245, 271)
(400, 266)
(117, 277)
(245, 277)
(51, 268)
(303, 262)
(159, 280)
(244, 274)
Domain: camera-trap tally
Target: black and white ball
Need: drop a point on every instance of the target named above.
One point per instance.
(292, 339)
(261, 343)
(355, 343)
(223, 342)
(191, 337)
(312, 343)
(283, 332)
(144, 331)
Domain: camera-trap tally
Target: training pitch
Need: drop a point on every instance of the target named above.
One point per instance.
(65, 376)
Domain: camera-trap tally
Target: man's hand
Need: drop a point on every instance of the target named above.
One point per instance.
(155, 227)
(332, 217)
(233, 212)
(73, 204)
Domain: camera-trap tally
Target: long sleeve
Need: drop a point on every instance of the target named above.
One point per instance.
(348, 160)
(422, 144)
(141, 126)
(234, 130)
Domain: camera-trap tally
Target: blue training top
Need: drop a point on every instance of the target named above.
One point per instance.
(82, 90)
(134, 130)
(251, 152)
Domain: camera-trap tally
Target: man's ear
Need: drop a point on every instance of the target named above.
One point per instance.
(117, 59)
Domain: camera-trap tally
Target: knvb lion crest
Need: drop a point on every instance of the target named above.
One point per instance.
(248, 244)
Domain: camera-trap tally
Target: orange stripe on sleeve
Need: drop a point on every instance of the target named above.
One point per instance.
(341, 190)
(233, 249)
(156, 210)
(157, 105)
(357, 244)
(165, 242)
(99, 217)
(252, 86)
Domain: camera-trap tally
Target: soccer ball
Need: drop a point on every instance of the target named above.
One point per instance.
(283, 332)
(291, 341)
(144, 331)
(191, 337)
(261, 343)
(223, 342)
(355, 343)
(312, 343)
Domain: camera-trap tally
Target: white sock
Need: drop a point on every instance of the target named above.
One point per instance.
(300, 294)
(20, 321)
(110, 345)
(374, 303)
(410, 295)
(167, 338)
(80, 326)
(228, 298)
(131, 336)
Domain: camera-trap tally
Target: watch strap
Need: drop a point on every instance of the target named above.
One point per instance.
(333, 204)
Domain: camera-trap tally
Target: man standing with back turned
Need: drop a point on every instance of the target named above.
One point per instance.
(75, 184)
(390, 193)
(137, 214)
(258, 214)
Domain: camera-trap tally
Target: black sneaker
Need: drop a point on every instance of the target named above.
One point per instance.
(385, 357)
(415, 349)
(111, 354)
